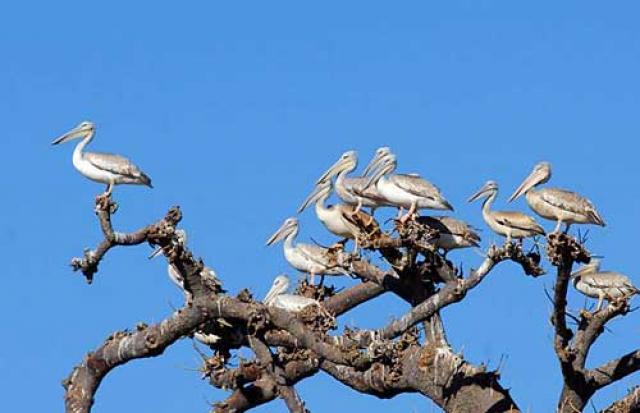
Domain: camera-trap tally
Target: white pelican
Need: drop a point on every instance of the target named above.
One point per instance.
(102, 167)
(276, 297)
(510, 224)
(556, 204)
(603, 285)
(408, 191)
(310, 259)
(352, 190)
(454, 233)
(341, 220)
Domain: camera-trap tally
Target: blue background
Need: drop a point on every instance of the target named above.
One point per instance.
(234, 110)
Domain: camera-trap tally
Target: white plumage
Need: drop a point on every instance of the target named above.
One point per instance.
(276, 296)
(105, 168)
(603, 285)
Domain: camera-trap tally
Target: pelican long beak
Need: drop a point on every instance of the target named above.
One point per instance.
(532, 180)
(446, 205)
(318, 192)
(77, 132)
(155, 253)
(270, 295)
(385, 165)
(481, 192)
(281, 233)
(334, 170)
(373, 164)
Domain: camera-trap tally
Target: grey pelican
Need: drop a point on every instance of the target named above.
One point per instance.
(509, 224)
(454, 233)
(403, 190)
(352, 190)
(341, 220)
(556, 204)
(310, 259)
(276, 296)
(603, 285)
(101, 167)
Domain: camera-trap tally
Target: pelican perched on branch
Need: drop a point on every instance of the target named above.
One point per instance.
(603, 285)
(556, 204)
(310, 259)
(408, 191)
(352, 190)
(509, 224)
(174, 274)
(341, 220)
(102, 167)
(453, 233)
(276, 297)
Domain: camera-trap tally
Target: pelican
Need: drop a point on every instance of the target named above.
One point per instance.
(341, 220)
(556, 204)
(174, 275)
(101, 167)
(403, 190)
(609, 285)
(276, 297)
(453, 233)
(352, 190)
(509, 224)
(310, 259)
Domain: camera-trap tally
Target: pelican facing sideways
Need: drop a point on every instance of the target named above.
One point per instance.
(276, 297)
(556, 204)
(352, 190)
(603, 285)
(101, 167)
(408, 191)
(509, 224)
(310, 259)
(341, 220)
(453, 233)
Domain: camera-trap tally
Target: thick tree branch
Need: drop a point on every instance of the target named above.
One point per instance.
(628, 404)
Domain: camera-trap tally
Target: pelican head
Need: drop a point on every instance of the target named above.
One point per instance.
(488, 189)
(289, 227)
(322, 189)
(593, 266)
(348, 161)
(181, 238)
(379, 168)
(541, 173)
(380, 155)
(279, 286)
(81, 131)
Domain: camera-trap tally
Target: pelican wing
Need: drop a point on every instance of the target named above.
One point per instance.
(292, 302)
(451, 226)
(117, 165)
(314, 253)
(571, 201)
(609, 279)
(518, 220)
(356, 185)
(416, 185)
(319, 256)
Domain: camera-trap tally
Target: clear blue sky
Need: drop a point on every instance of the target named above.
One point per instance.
(234, 110)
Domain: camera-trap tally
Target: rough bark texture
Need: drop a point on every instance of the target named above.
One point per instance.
(392, 359)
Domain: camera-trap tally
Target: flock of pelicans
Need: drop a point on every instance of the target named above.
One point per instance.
(380, 187)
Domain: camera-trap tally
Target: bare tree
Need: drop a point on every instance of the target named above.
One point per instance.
(395, 358)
